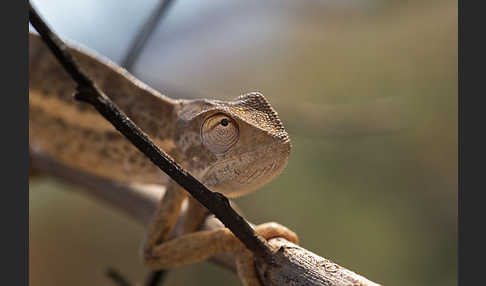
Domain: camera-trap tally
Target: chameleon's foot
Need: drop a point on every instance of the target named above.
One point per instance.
(245, 264)
(272, 229)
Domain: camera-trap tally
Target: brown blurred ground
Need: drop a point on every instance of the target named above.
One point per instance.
(369, 96)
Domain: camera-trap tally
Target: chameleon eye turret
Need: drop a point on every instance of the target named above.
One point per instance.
(219, 133)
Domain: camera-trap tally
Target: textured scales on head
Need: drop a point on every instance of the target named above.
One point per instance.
(255, 109)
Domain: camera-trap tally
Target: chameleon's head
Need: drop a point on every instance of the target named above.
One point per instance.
(233, 147)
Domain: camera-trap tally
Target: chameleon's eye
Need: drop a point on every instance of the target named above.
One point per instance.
(219, 132)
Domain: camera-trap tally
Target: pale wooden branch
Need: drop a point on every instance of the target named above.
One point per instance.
(278, 261)
(291, 265)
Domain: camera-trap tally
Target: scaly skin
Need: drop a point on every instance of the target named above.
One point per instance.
(233, 147)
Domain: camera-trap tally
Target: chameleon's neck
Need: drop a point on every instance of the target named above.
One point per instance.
(52, 88)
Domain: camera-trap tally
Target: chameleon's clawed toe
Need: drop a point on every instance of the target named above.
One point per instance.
(272, 229)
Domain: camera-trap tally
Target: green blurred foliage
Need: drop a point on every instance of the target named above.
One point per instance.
(369, 97)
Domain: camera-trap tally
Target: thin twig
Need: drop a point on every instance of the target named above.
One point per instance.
(154, 278)
(88, 92)
(117, 277)
(144, 34)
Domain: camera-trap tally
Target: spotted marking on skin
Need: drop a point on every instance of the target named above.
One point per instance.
(187, 140)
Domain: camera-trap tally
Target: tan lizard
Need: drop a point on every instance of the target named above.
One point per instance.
(233, 147)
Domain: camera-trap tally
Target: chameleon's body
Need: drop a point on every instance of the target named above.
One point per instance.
(232, 147)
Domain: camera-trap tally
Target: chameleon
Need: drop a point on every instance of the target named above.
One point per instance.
(233, 147)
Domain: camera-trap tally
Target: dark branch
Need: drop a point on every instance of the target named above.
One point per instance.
(88, 92)
(144, 34)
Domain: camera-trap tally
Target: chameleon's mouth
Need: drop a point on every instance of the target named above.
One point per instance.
(244, 173)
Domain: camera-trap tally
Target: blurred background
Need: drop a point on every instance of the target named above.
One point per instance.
(367, 90)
